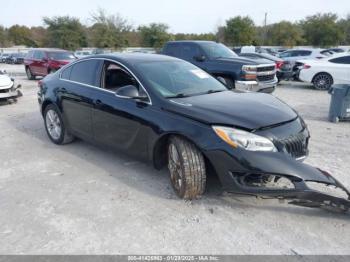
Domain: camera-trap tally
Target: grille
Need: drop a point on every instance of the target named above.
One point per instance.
(265, 68)
(266, 78)
(296, 146)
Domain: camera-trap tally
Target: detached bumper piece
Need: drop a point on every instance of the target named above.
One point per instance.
(330, 195)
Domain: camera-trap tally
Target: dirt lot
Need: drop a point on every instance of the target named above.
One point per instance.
(81, 199)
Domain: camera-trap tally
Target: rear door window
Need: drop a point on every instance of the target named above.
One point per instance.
(304, 53)
(189, 51)
(39, 55)
(66, 73)
(286, 54)
(341, 60)
(172, 50)
(86, 72)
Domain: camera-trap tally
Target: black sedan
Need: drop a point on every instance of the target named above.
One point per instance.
(173, 114)
(284, 68)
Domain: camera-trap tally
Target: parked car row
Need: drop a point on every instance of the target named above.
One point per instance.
(320, 67)
(13, 58)
(255, 69)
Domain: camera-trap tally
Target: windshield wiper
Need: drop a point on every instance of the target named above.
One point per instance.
(215, 91)
(181, 95)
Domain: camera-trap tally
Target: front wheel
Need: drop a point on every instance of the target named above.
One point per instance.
(29, 73)
(55, 127)
(323, 81)
(187, 168)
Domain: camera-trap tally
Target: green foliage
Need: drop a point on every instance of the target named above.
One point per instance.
(3, 37)
(344, 25)
(204, 37)
(108, 31)
(322, 30)
(155, 35)
(65, 32)
(239, 31)
(114, 31)
(284, 33)
(20, 35)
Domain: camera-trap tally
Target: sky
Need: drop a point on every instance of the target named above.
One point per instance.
(187, 16)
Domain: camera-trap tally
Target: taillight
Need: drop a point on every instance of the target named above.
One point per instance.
(306, 66)
(279, 64)
(40, 84)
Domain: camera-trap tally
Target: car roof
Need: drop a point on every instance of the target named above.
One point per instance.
(49, 50)
(134, 58)
(191, 41)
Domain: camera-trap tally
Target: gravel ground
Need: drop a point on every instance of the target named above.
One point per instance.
(82, 199)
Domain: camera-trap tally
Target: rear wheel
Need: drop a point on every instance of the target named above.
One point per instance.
(55, 126)
(187, 168)
(29, 73)
(323, 81)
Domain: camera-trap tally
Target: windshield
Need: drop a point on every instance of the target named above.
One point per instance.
(215, 50)
(61, 56)
(178, 79)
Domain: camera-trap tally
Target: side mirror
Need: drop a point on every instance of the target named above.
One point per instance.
(199, 58)
(45, 59)
(131, 91)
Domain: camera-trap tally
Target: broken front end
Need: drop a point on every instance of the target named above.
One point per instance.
(268, 163)
(8, 89)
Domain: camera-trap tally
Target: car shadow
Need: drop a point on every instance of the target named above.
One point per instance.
(144, 178)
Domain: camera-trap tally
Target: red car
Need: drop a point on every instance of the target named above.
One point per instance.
(41, 62)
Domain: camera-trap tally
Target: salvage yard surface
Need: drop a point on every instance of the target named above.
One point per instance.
(82, 199)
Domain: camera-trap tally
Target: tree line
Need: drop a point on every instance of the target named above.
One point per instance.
(113, 31)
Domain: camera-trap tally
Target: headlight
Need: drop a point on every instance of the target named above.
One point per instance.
(238, 138)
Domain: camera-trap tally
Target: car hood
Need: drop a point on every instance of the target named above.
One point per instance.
(243, 60)
(5, 82)
(246, 110)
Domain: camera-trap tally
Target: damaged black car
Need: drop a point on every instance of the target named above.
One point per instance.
(176, 115)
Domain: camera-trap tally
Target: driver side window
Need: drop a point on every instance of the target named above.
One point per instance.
(114, 77)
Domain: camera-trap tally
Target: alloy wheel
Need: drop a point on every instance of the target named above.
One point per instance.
(53, 124)
(323, 82)
(175, 168)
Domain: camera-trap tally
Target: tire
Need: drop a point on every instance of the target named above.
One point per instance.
(187, 168)
(226, 81)
(29, 73)
(322, 81)
(55, 127)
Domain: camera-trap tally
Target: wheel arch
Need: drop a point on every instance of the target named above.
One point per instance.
(45, 104)
(160, 148)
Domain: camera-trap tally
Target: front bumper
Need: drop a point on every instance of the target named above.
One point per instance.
(12, 92)
(257, 86)
(248, 173)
